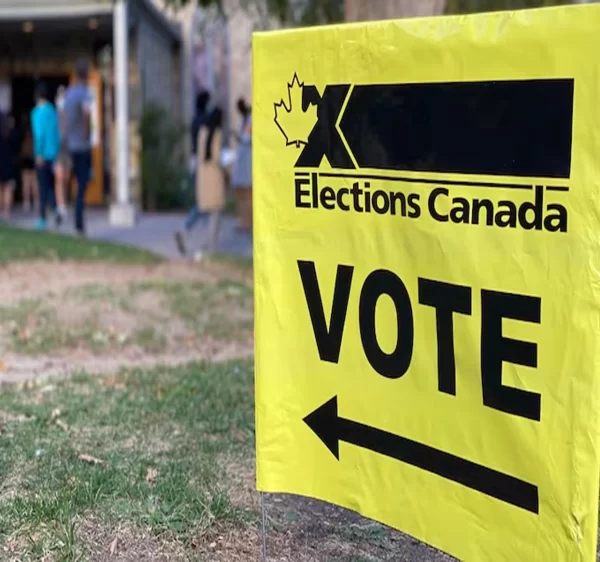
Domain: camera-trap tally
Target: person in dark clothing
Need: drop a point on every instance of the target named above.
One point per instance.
(211, 185)
(9, 153)
(194, 214)
(199, 117)
(77, 121)
(28, 176)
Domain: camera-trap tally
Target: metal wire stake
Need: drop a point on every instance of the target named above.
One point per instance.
(263, 527)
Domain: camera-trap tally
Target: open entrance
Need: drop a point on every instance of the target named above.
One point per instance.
(23, 92)
(23, 100)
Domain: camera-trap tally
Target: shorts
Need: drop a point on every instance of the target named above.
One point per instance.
(9, 184)
(27, 164)
(64, 160)
(7, 174)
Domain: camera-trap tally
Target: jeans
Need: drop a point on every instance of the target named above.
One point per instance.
(82, 167)
(45, 177)
(195, 214)
(193, 217)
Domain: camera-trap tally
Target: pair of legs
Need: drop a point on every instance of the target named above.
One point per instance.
(62, 174)
(243, 203)
(212, 239)
(7, 191)
(194, 216)
(82, 169)
(45, 177)
(30, 188)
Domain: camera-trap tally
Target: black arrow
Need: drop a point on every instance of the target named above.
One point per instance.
(331, 429)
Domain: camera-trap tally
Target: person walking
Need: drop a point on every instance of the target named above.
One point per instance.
(241, 181)
(46, 147)
(28, 176)
(9, 152)
(210, 181)
(194, 215)
(62, 167)
(78, 131)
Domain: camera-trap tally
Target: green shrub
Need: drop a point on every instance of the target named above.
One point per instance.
(164, 170)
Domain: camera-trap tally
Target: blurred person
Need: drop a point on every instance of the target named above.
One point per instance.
(210, 178)
(194, 215)
(78, 131)
(46, 148)
(9, 153)
(62, 166)
(28, 176)
(241, 181)
(200, 66)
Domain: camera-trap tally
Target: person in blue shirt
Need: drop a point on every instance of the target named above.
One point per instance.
(46, 148)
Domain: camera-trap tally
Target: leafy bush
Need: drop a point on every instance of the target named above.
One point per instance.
(164, 171)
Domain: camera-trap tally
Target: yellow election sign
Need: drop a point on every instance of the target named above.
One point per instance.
(427, 258)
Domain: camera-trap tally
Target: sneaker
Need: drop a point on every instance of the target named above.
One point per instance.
(40, 224)
(27, 207)
(58, 219)
(180, 241)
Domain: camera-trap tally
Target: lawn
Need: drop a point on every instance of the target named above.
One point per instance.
(154, 464)
(127, 416)
(17, 244)
(141, 449)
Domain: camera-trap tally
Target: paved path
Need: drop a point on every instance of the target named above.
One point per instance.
(153, 232)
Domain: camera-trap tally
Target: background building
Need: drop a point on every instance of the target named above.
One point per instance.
(361, 10)
(42, 39)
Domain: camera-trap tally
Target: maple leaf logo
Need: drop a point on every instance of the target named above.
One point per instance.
(295, 124)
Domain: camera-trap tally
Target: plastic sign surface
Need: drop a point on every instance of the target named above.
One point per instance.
(427, 205)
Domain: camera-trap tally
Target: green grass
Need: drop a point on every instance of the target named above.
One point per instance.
(243, 263)
(20, 245)
(223, 310)
(182, 422)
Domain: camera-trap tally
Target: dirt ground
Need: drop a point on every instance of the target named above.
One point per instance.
(57, 318)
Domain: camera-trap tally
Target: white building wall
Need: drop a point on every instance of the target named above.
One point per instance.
(156, 66)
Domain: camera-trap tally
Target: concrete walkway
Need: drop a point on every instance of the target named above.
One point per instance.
(153, 232)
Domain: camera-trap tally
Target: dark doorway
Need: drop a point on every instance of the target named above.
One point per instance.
(23, 92)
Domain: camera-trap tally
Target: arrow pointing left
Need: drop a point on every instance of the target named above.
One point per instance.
(331, 429)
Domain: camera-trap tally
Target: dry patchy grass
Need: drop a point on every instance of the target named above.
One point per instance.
(116, 313)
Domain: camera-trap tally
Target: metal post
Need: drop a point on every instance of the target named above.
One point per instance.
(263, 527)
(122, 99)
(122, 213)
